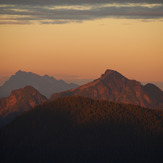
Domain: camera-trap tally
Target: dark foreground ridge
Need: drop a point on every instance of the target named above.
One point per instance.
(82, 130)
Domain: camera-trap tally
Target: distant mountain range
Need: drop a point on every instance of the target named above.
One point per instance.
(113, 86)
(19, 101)
(46, 85)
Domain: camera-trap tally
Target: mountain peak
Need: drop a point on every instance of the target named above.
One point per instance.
(29, 87)
(23, 73)
(112, 74)
(26, 90)
(108, 71)
(19, 101)
(19, 72)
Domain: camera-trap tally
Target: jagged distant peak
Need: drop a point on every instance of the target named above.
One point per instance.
(49, 77)
(46, 84)
(20, 72)
(24, 73)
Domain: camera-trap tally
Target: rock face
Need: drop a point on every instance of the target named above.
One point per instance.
(46, 85)
(113, 86)
(19, 101)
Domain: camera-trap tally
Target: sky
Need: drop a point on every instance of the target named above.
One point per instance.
(80, 39)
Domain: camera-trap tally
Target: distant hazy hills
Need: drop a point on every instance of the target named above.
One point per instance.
(113, 86)
(44, 84)
(19, 101)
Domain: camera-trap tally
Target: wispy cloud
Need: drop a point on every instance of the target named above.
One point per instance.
(65, 11)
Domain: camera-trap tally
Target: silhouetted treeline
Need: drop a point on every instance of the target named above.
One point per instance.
(79, 130)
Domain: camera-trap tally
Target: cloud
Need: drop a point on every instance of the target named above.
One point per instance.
(73, 2)
(56, 12)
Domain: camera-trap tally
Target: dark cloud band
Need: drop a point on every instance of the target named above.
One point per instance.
(73, 2)
(60, 14)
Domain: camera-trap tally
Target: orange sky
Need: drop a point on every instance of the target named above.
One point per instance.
(85, 50)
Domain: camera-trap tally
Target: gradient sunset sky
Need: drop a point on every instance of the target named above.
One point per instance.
(82, 38)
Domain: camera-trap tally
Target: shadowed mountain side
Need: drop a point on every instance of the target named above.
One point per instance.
(44, 84)
(113, 86)
(20, 100)
(79, 129)
(155, 94)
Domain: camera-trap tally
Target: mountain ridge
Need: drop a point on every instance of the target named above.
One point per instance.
(113, 86)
